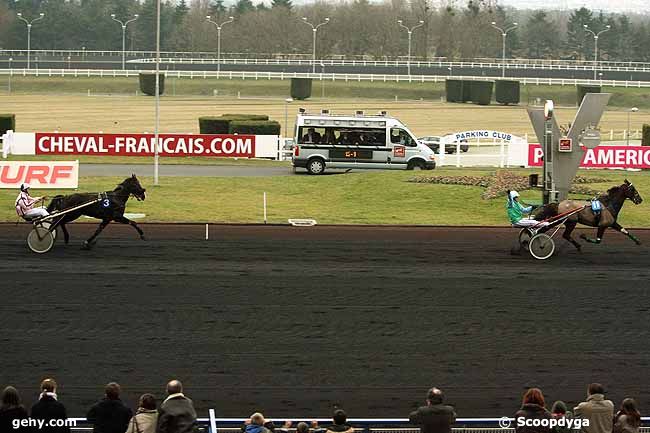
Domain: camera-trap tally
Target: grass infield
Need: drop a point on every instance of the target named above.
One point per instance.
(363, 197)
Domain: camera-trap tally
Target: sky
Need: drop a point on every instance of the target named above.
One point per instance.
(637, 6)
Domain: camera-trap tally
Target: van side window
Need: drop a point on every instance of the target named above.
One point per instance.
(310, 135)
(399, 136)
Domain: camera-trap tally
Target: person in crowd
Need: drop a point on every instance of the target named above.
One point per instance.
(435, 417)
(11, 411)
(146, 417)
(559, 410)
(176, 413)
(25, 204)
(110, 415)
(311, 136)
(48, 407)
(339, 424)
(533, 406)
(344, 138)
(257, 424)
(329, 137)
(516, 210)
(628, 418)
(596, 409)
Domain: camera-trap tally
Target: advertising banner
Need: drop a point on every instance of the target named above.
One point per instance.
(50, 174)
(601, 156)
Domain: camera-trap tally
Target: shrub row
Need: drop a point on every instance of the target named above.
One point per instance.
(480, 92)
(300, 88)
(645, 138)
(148, 83)
(7, 122)
(583, 90)
(255, 124)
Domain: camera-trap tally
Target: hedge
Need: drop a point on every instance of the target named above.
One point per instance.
(645, 138)
(148, 83)
(583, 90)
(300, 88)
(221, 125)
(7, 122)
(255, 127)
(507, 92)
(481, 92)
(454, 90)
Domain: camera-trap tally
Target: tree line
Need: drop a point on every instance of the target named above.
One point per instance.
(357, 28)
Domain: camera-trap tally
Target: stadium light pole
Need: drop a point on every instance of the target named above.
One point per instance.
(219, 26)
(286, 116)
(504, 34)
(410, 33)
(29, 33)
(314, 30)
(631, 110)
(156, 137)
(124, 24)
(596, 36)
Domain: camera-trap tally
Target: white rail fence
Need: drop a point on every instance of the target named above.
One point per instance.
(255, 75)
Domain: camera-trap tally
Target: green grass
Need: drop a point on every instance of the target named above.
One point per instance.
(149, 160)
(369, 197)
(562, 95)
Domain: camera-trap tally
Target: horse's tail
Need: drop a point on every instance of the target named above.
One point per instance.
(56, 203)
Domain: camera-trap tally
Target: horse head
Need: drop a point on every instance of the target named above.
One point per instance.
(133, 187)
(631, 192)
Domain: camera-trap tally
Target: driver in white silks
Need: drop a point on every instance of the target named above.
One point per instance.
(516, 211)
(25, 204)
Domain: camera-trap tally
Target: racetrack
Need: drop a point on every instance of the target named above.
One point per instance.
(290, 321)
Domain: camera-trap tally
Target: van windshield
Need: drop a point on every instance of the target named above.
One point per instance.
(400, 136)
(342, 136)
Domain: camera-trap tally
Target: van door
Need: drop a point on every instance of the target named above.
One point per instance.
(403, 147)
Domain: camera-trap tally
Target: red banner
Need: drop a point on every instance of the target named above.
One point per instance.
(602, 156)
(144, 144)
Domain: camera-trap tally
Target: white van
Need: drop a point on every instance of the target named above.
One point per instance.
(358, 141)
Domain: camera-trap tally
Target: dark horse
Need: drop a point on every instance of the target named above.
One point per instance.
(110, 208)
(612, 203)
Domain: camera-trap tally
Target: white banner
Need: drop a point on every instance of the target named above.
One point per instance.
(39, 174)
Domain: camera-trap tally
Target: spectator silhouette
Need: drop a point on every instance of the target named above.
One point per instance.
(176, 413)
(628, 418)
(110, 415)
(435, 417)
(50, 408)
(597, 410)
(339, 424)
(146, 417)
(559, 410)
(11, 411)
(533, 407)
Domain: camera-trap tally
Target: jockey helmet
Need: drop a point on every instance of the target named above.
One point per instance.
(513, 194)
(24, 187)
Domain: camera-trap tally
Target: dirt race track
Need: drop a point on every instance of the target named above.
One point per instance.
(291, 321)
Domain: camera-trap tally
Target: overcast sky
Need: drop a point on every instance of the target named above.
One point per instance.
(638, 6)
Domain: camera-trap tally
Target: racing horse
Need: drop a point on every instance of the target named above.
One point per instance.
(110, 208)
(612, 203)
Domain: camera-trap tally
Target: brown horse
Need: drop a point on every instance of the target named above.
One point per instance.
(612, 203)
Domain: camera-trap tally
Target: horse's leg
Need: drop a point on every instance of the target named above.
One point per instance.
(569, 227)
(66, 235)
(125, 220)
(599, 236)
(91, 240)
(616, 226)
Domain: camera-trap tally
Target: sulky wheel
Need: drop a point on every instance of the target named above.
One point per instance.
(40, 240)
(524, 238)
(541, 246)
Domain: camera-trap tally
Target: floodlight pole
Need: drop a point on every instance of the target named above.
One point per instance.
(157, 94)
(29, 33)
(410, 33)
(219, 26)
(596, 36)
(124, 24)
(504, 34)
(314, 31)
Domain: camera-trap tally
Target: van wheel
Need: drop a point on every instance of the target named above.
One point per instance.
(415, 165)
(316, 166)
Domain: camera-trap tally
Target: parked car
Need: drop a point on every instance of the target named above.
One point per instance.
(433, 142)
